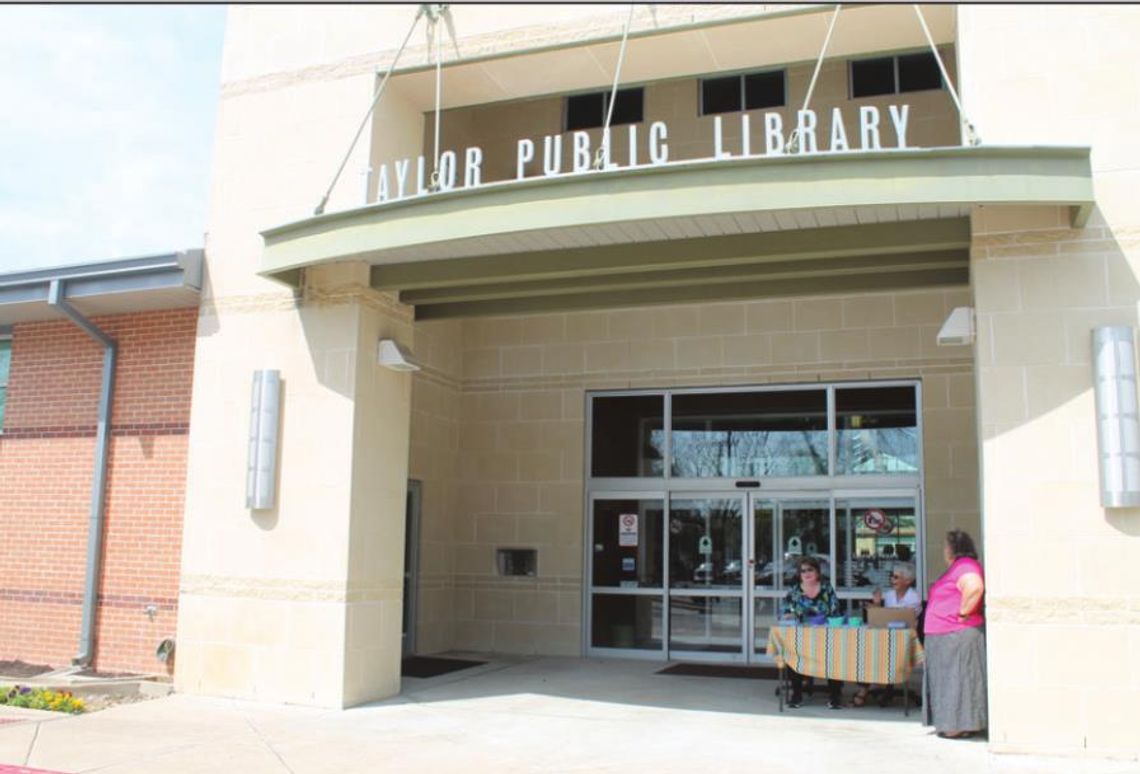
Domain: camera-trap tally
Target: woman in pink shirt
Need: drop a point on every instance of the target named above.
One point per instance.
(955, 675)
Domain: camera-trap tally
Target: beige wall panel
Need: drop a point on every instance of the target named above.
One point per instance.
(263, 40)
(1041, 288)
(257, 184)
(379, 488)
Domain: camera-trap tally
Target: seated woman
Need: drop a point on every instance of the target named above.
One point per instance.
(901, 594)
(811, 596)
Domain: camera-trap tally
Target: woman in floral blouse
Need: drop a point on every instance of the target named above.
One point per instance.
(812, 596)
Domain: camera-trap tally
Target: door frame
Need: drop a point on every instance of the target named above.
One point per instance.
(741, 592)
(750, 652)
(410, 598)
(778, 498)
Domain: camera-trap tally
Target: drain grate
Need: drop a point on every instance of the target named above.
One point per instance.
(722, 670)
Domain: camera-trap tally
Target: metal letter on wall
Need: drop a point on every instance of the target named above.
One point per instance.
(264, 411)
(1117, 418)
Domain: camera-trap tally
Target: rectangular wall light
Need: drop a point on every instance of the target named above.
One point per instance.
(264, 416)
(1117, 417)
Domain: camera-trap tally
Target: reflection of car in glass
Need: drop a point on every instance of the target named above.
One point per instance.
(791, 565)
(706, 572)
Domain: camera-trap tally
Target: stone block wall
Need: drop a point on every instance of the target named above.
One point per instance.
(521, 427)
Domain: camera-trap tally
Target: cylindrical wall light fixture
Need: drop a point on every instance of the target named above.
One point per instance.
(1117, 417)
(264, 412)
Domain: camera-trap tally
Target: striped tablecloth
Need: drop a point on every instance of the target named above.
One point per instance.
(856, 654)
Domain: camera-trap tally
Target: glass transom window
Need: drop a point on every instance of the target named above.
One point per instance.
(794, 432)
(749, 434)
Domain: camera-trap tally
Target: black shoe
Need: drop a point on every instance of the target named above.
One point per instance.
(795, 702)
(834, 704)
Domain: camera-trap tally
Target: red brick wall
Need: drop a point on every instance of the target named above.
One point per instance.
(46, 462)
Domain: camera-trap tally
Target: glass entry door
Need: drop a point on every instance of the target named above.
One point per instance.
(783, 531)
(702, 576)
(707, 540)
(731, 560)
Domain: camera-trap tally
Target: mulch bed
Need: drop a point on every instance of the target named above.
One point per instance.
(21, 669)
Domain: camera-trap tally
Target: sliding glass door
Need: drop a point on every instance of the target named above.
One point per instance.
(701, 503)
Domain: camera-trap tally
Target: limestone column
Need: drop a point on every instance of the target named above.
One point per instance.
(1061, 570)
(300, 603)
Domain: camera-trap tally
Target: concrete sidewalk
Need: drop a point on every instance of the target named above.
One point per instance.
(521, 715)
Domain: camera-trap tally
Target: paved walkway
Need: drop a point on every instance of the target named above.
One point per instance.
(522, 715)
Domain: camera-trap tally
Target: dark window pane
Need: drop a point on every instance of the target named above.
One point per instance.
(720, 95)
(764, 90)
(873, 76)
(584, 111)
(918, 72)
(517, 561)
(632, 622)
(629, 106)
(628, 436)
(877, 430)
(779, 433)
(627, 543)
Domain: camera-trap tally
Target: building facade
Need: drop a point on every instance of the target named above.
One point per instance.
(92, 494)
(692, 291)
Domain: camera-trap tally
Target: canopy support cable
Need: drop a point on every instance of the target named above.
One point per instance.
(794, 137)
(320, 208)
(434, 15)
(603, 148)
(972, 136)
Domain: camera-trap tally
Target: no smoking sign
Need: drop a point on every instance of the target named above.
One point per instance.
(627, 530)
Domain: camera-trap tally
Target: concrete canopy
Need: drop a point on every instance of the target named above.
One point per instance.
(689, 231)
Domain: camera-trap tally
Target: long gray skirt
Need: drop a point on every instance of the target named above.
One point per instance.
(954, 681)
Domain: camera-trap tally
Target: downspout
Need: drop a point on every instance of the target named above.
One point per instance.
(99, 477)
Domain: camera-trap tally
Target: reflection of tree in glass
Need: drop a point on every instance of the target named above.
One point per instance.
(882, 450)
(655, 453)
(726, 453)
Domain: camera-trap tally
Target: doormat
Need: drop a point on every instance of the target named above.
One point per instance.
(427, 666)
(723, 670)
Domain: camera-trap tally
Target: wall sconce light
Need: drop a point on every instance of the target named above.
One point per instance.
(1117, 417)
(264, 413)
(958, 328)
(391, 355)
